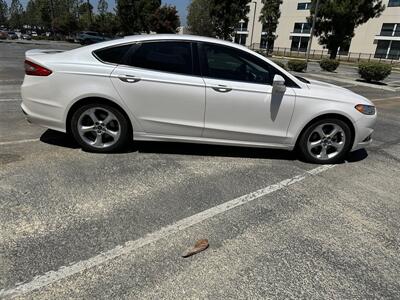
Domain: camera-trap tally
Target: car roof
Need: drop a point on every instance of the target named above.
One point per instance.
(155, 37)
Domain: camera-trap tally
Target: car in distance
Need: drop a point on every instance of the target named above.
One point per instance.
(3, 35)
(190, 89)
(12, 35)
(26, 36)
(90, 37)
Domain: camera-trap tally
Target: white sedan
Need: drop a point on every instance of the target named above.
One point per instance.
(190, 89)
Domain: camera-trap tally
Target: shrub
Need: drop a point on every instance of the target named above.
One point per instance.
(280, 63)
(329, 65)
(297, 65)
(374, 71)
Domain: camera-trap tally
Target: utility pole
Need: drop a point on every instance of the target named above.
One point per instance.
(254, 20)
(312, 32)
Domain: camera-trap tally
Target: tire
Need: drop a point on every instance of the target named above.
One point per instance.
(100, 128)
(326, 141)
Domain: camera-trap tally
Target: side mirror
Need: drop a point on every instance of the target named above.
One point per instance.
(278, 84)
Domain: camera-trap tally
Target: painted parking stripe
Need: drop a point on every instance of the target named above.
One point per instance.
(18, 142)
(389, 98)
(65, 272)
(10, 100)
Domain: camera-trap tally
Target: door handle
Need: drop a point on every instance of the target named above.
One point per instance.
(221, 89)
(129, 78)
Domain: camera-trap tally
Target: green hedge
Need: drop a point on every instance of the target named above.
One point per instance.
(297, 65)
(374, 71)
(329, 65)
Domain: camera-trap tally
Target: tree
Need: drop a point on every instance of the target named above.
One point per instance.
(135, 15)
(270, 14)
(199, 18)
(85, 15)
(32, 15)
(165, 19)
(3, 12)
(337, 19)
(226, 14)
(16, 14)
(105, 22)
(102, 7)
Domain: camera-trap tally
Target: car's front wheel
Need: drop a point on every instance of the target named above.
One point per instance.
(100, 128)
(326, 141)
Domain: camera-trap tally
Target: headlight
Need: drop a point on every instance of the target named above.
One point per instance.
(365, 109)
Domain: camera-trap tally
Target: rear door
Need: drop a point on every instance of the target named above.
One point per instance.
(162, 88)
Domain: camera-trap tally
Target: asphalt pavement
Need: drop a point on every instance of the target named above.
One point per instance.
(79, 225)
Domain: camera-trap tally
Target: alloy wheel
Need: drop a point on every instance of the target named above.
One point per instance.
(99, 127)
(326, 141)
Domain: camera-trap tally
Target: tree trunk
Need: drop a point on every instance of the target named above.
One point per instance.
(333, 53)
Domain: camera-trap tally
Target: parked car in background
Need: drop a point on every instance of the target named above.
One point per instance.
(12, 35)
(90, 37)
(26, 36)
(183, 88)
(34, 34)
(3, 35)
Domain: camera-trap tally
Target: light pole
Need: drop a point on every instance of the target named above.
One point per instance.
(254, 20)
(312, 32)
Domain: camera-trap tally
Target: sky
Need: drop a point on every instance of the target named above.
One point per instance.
(181, 5)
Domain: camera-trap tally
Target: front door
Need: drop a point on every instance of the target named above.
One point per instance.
(240, 104)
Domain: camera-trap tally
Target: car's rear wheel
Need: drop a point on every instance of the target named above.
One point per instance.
(100, 128)
(326, 141)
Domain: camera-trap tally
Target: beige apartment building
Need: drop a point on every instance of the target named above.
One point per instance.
(379, 37)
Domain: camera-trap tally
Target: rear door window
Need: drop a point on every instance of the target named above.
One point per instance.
(173, 57)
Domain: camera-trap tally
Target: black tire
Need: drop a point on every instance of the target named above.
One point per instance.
(306, 136)
(120, 121)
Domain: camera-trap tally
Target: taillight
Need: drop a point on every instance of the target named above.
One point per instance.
(35, 69)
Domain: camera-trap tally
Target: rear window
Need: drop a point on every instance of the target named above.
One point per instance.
(114, 55)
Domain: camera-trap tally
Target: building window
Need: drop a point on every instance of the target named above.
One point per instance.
(240, 39)
(393, 3)
(390, 29)
(242, 26)
(302, 28)
(299, 43)
(265, 40)
(388, 50)
(304, 5)
(241, 33)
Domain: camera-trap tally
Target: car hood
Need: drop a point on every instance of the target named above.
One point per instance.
(336, 93)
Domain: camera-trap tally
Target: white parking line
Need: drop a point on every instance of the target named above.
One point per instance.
(10, 99)
(65, 272)
(18, 142)
(389, 98)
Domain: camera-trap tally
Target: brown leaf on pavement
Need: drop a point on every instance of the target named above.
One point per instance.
(200, 245)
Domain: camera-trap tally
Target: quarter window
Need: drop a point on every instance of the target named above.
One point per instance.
(113, 55)
(174, 57)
